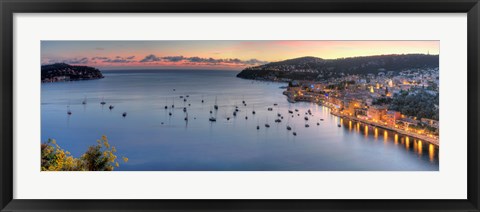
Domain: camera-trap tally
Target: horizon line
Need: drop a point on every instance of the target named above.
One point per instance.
(107, 68)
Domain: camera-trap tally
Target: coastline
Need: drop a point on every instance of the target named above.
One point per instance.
(432, 140)
(198, 137)
(72, 80)
(399, 131)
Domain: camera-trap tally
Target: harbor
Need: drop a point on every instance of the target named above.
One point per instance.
(161, 131)
(240, 105)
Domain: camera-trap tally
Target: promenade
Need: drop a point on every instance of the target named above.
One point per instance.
(431, 140)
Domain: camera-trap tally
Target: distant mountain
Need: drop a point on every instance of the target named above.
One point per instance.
(64, 72)
(311, 68)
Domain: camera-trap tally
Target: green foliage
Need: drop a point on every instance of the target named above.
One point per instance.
(100, 157)
(74, 72)
(420, 105)
(382, 101)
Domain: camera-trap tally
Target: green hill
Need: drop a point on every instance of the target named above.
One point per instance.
(313, 68)
(64, 72)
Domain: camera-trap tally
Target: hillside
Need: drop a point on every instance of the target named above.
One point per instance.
(63, 72)
(311, 68)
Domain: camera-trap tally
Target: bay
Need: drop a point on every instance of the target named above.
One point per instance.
(155, 141)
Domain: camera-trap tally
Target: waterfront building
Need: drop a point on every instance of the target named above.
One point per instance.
(376, 112)
(391, 117)
(430, 122)
(406, 122)
(335, 101)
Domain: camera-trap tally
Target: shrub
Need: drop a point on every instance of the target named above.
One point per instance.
(100, 157)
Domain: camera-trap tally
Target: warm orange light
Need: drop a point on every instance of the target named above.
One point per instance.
(431, 152)
(419, 147)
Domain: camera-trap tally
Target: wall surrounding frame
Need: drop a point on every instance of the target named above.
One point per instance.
(8, 7)
(449, 29)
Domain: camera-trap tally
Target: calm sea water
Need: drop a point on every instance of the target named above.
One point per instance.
(155, 141)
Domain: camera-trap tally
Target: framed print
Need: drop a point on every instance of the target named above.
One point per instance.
(265, 105)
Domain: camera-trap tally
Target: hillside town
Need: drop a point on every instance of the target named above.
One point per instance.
(405, 102)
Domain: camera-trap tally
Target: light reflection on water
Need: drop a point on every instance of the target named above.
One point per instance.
(431, 152)
(155, 140)
(417, 144)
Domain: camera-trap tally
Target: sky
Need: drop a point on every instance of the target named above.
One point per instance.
(204, 54)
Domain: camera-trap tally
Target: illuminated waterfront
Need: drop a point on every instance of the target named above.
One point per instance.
(387, 136)
(154, 140)
(428, 138)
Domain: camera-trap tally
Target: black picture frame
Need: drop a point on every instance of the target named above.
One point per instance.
(9, 7)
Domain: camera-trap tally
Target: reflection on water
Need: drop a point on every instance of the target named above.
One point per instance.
(431, 152)
(419, 147)
(171, 139)
(405, 140)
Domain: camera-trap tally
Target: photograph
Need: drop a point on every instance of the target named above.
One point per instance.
(239, 105)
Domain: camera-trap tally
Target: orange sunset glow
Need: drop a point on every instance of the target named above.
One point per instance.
(228, 55)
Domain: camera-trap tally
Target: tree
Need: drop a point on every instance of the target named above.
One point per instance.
(420, 105)
(100, 157)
